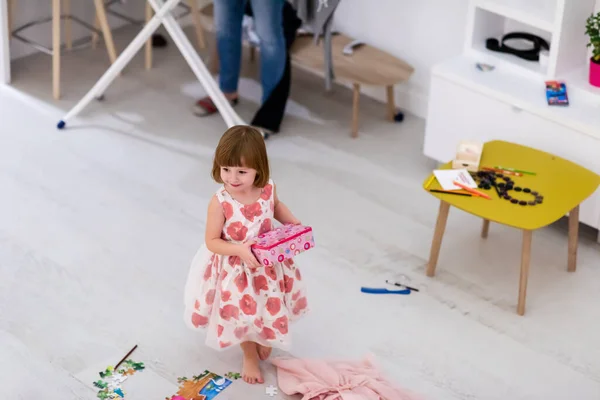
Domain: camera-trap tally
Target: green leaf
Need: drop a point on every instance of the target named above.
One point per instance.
(592, 29)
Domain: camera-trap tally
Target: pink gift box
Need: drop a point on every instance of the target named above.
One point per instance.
(283, 243)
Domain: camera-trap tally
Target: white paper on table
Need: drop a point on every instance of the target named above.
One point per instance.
(446, 178)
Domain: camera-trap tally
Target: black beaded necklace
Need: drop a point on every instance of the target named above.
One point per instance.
(488, 179)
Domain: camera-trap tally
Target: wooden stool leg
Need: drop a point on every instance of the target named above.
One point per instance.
(214, 60)
(148, 47)
(391, 103)
(10, 9)
(56, 49)
(485, 229)
(573, 239)
(68, 24)
(198, 24)
(355, 104)
(95, 35)
(525, 258)
(106, 32)
(438, 235)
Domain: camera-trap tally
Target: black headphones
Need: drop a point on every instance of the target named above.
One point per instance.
(532, 54)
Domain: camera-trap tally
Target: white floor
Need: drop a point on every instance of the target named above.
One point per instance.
(98, 224)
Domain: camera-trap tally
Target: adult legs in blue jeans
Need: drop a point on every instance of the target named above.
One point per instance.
(268, 21)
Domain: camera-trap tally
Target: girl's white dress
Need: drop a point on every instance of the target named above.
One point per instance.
(234, 303)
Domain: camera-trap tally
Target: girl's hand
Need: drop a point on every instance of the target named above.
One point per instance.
(295, 221)
(247, 256)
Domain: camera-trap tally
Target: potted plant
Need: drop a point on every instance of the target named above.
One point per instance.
(592, 29)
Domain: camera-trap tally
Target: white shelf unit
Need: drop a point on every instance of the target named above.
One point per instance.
(560, 22)
(509, 102)
(539, 14)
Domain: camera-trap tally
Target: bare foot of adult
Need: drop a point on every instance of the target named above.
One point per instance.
(250, 367)
(264, 352)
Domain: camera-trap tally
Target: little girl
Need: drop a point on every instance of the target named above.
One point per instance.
(228, 292)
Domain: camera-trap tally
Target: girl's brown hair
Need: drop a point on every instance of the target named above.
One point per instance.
(242, 146)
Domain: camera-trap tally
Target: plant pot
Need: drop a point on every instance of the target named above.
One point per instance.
(594, 73)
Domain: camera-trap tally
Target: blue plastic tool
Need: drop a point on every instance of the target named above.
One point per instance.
(383, 291)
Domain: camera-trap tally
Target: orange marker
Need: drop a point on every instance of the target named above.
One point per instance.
(471, 190)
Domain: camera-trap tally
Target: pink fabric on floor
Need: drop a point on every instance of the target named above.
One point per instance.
(336, 380)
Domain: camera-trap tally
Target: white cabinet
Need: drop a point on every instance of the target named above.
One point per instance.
(509, 102)
(457, 112)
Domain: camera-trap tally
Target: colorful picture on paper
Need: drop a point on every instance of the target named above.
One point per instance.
(205, 386)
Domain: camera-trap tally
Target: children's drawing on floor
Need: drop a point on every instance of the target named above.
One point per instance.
(250, 90)
(205, 386)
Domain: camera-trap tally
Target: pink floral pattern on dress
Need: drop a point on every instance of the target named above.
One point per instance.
(251, 211)
(235, 303)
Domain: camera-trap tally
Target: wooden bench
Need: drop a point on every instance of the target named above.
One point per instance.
(367, 66)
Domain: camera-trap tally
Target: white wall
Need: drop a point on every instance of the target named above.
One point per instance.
(422, 33)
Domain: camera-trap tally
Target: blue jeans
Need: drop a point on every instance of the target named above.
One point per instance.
(268, 22)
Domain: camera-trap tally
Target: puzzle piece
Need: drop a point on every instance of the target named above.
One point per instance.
(271, 391)
(118, 378)
(107, 372)
(233, 375)
(110, 384)
(100, 384)
(102, 395)
(201, 387)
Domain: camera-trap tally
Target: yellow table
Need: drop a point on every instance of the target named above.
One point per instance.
(563, 184)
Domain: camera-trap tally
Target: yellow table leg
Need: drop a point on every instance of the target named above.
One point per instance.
(438, 235)
(485, 229)
(525, 258)
(573, 239)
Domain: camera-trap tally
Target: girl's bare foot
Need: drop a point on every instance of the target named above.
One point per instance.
(264, 352)
(250, 368)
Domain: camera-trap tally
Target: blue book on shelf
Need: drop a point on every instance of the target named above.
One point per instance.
(556, 93)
